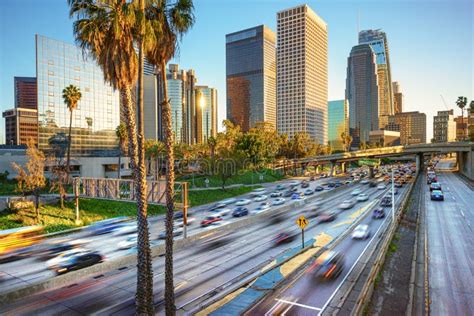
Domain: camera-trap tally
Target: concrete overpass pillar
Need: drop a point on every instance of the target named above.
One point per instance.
(371, 172)
(465, 161)
(333, 169)
(420, 161)
(343, 167)
(318, 169)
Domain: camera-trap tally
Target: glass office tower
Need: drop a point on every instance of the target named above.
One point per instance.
(338, 122)
(377, 39)
(206, 113)
(251, 77)
(58, 65)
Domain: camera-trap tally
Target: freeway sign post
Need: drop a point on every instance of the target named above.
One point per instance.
(302, 222)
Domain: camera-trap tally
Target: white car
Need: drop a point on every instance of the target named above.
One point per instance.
(54, 262)
(365, 181)
(129, 228)
(362, 197)
(128, 243)
(361, 232)
(259, 191)
(260, 198)
(229, 201)
(347, 204)
(278, 201)
(262, 207)
(180, 222)
(356, 192)
(243, 202)
(221, 212)
(294, 183)
(381, 186)
(276, 194)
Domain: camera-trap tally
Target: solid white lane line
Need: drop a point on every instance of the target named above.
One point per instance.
(278, 304)
(297, 304)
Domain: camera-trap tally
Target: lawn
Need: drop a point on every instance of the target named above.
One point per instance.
(244, 177)
(56, 219)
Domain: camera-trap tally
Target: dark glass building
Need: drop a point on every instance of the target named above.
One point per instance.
(251, 77)
(25, 93)
(58, 65)
(362, 93)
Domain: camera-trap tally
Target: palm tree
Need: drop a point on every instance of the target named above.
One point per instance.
(461, 103)
(71, 96)
(168, 22)
(106, 30)
(122, 134)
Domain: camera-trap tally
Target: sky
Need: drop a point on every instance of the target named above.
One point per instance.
(431, 43)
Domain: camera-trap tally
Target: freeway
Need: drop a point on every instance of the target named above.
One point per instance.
(450, 225)
(199, 268)
(21, 272)
(306, 294)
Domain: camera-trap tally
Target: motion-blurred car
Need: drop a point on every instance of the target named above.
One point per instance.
(381, 186)
(362, 197)
(262, 207)
(240, 211)
(294, 183)
(297, 196)
(79, 261)
(364, 181)
(312, 178)
(176, 232)
(126, 229)
(347, 204)
(304, 184)
(288, 193)
(308, 192)
(64, 256)
(327, 217)
(337, 184)
(318, 188)
(209, 220)
(328, 265)
(243, 202)
(276, 194)
(378, 213)
(395, 191)
(221, 212)
(260, 198)
(258, 192)
(283, 238)
(280, 187)
(435, 186)
(180, 222)
(437, 195)
(106, 226)
(278, 201)
(361, 232)
(128, 243)
(398, 184)
(372, 184)
(331, 184)
(386, 201)
(229, 201)
(56, 248)
(212, 208)
(356, 192)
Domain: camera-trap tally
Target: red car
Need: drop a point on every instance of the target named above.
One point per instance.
(210, 220)
(283, 238)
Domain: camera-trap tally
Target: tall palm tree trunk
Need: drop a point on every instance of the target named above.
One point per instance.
(144, 304)
(144, 293)
(170, 309)
(69, 146)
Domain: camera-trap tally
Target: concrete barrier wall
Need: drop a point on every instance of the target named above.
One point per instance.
(130, 261)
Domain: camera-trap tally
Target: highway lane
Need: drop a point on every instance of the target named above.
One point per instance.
(307, 295)
(450, 226)
(198, 269)
(20, 272)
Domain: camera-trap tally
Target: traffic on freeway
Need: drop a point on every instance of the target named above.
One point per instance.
(217, 258)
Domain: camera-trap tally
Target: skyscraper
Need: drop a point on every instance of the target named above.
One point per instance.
(362, 93)
(377, 40)
(338, 122)
(26, 93)
(251, 76)
(58, 65)
(397, 98)
(411, 125)
(302, 73)
(206, 113)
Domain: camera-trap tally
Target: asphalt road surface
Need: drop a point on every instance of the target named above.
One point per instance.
(198, 269)
(450, 226)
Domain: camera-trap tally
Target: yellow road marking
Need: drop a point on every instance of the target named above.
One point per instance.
(220, 303)
(348, 222)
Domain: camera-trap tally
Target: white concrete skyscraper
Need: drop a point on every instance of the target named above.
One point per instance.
(302, 73)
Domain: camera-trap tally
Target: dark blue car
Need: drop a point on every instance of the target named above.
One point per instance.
(240, 211)
(437, 195)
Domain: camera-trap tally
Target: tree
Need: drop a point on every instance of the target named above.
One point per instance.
(59, 176)
(167, 22)
(32, 180)
(107, 31)
(122, 134)
(461, 103)
(346, 140)
(71, 96)
(471, 121)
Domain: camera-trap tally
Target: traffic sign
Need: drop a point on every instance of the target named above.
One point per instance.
(302, 222)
